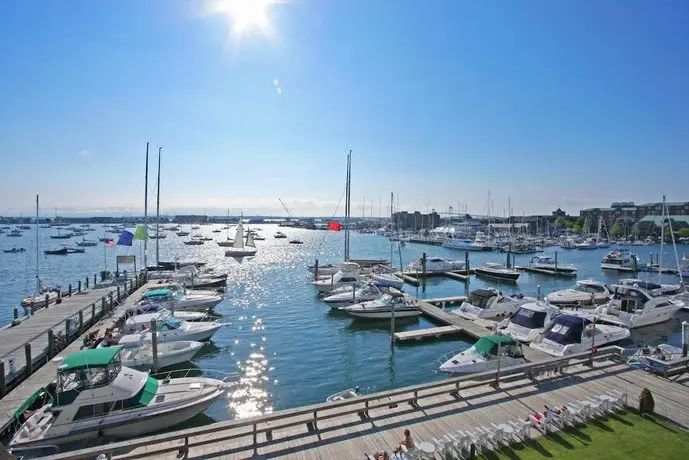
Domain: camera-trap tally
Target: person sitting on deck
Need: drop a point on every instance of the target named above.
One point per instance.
(407, 442)
(378, 456)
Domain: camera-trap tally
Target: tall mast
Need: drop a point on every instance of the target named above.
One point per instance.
(146, 210)
(347, 205)
(158, 212)
(38, 282)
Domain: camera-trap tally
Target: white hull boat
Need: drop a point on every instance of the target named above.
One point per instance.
(549, 264)
(464, 244)
(239, 247)
(483, 356)
(531, 320)
(347, 275)
(569, 334)
(150, 308)
(490, 304)
(382, 308)
(179, 301)
(387, 280)
(343, 395)
(38, 300)
(435, 265)
(635, 307)
(349, 295)
(169, 354)
(586, 293)
(173, 330)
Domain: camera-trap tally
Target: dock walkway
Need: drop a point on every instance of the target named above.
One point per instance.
(55, 317)
(376, 422)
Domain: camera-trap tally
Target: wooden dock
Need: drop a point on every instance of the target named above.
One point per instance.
(541, 271)
(434, 332)
(446, 301)
(94, 313)
(415, 278)
(371, 423)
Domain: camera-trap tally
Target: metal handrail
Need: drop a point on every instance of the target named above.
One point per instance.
(358, 405)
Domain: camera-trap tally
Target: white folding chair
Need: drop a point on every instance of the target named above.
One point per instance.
(522, 429)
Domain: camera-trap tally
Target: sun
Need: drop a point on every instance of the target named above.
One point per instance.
(243, 14)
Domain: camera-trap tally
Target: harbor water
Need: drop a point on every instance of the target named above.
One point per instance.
(287, 347)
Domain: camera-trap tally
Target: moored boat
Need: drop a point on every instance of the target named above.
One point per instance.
(484, 355)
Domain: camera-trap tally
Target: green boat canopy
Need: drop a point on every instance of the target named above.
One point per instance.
(489, 344)
(97, 357)
(157, 293)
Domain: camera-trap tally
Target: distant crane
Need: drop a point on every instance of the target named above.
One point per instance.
(284, 206)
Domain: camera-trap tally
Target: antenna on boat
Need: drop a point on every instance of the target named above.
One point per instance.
(158, 212)
(146, 209)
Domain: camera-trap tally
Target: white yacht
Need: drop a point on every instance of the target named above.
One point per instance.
(435, 265)
(498, 272)
(383, 276)
(620, 260)
(464, 244)
(38, 300)
(95, 396)
(239, 247)
(490, 304)
(634, 306)
(530, 320)
(279, 235)
(483, 356)
(382, 308)
(180, 301)
(348, 274)
(548, 263)
(169, 354)
(324, 270)
(585, 293)
(569, 334)
(170, 329)
(149, 307)
(348, 295)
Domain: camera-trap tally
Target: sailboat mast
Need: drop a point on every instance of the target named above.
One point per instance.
(146, 210)
(38, 281)
(392, 222)
(347, 205)
(158, 212)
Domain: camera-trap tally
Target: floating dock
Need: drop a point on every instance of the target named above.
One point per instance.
(446, 301)
(542, 271)
(414, 278)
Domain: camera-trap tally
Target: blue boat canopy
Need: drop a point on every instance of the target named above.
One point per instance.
(567, 329)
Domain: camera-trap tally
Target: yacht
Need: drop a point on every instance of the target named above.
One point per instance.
(435, 265)
(169, 354)
(490, 304)
(587, 245)
(548, 263)
(382, 308)
(530, 320)
(95, 396)
(170, 329)
(497, 272)
(180, 301)
(38, 300)
(149, 308)
(634, 306)
(464, 244)
(620, 260)
(348, 295)
(279, 235)
(570, 334)
(348, 274)
(344, 394)
(176, 287)
(324, 270)
(483, 356)
(585, 293)
(383, 276)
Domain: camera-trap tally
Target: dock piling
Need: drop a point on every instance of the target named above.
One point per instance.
(16, 313)
(93, 313)
(81, 322)
(555, 263)
(79, 286)
(67, 327)
(69, 290)
(87, 282)
(154, 344)
(315, 269)
(47, 300)
(3, 387)
(95, 279)
(685, 339)
(27, 354)
(466, 262)
(538, 292)
(51, 343)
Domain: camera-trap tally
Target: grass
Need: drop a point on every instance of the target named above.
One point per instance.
(621, 436)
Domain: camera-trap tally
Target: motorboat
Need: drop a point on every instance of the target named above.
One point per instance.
(548, 263)
(194, 242)
(384, 277)
(324, 270)
(38, 300)
(435, 265)
(295, 241)
(634, 306)
(347, 274)
(484, 355)
(343, 395)
(239, 247)
(585, 293)
(95, 396)
(620, 260)
(15, 233)
(87, 243)
(152, 309)
(464, 244)
(13, 250)
(498, 272)
(588, 245)
(169, 354)
(571, 334)
(490, 304)
(176, 286)
(181, 301)
(654, 289)
(183, 233)
(279, 235)
(382, 308)
(56, 252)
(169, 329)
(530, 320)
(348, 295)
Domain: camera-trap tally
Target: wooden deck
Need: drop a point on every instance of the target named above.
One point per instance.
(445, 301)
(342, 432)
(46, 373)
(419, 334)
(541, 271)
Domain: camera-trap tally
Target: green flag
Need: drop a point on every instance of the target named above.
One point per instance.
(140, 233)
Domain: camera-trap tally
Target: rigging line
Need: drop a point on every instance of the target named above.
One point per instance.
(320, 244)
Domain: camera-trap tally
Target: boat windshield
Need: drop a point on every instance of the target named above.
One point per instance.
(171, 323)
(386, 299)
(529, 318)
(589, 288)
(481, 298)
(179, 295)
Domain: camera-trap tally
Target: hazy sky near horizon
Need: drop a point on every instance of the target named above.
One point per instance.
(553, 104)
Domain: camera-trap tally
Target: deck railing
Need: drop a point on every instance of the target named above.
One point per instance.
(181, 442)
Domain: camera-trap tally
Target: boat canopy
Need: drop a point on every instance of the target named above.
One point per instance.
(567, 329)
(157, 293)
(481, 297)
(488, 345)
(97, 357)
(531, 319)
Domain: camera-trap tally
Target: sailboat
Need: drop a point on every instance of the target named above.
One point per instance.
(228, 242)
(239, 247)
(38, 300)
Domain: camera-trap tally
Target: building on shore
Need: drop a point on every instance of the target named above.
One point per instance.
(416, 221)
(632, 213)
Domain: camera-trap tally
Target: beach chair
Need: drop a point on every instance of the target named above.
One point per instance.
(540, 422)
(600, 405)
(616, 398)
(522, 429)
(583, 409)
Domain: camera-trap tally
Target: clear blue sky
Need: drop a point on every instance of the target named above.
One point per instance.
(552, 103)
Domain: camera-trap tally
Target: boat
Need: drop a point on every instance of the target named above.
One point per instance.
(635, 306)
(181, 301)
(75, 250)
(435, 265)
(324, 270)
(348, 295)
(498, 272)
(169, 329)
(239, 247)
(86, 243)
(347, 274)
(485, 355)
(15, 233)
(105, 239)
(52, 252)
(296, 242)
(620, 260)
(382, 308)
(490, 304)
(279, 235)
(159, 236)
(550, 264)
(194, 242)
(464, 244)
(13, 250)
(384, 277)
(61, 236)
(570, 334)
(530, 320)
(95, 396)
(176, 286)
(24, 227)
(584, 293)
(343, 395)
(149, 308)
(169, 354)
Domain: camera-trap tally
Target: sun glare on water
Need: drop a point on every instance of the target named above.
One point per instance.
(243, 15)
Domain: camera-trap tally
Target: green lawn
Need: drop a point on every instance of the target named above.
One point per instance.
(623, 436)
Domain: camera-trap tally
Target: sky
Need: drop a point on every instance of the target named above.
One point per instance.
(545, 104)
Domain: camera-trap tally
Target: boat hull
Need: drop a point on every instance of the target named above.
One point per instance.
(384, 314)
(510, 277)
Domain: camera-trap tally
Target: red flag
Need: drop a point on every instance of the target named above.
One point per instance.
(110, 244)
(334, 226)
